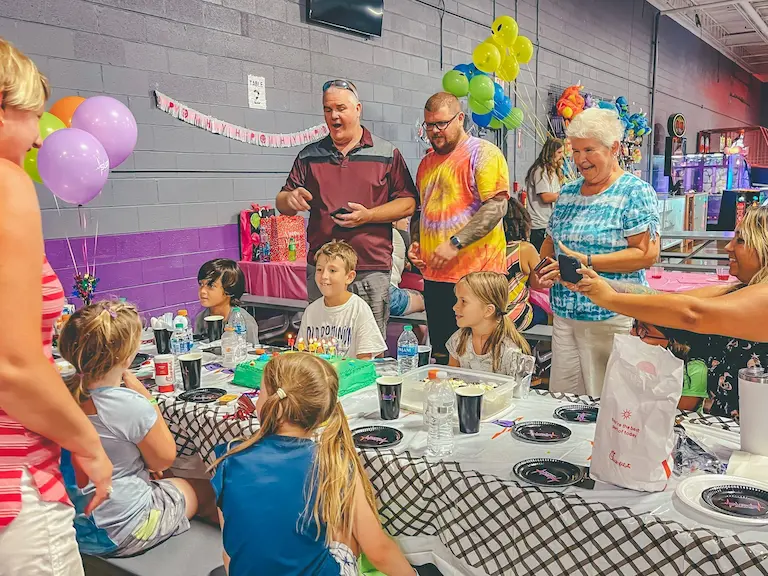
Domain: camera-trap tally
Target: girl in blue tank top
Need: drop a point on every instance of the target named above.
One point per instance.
(293, 506)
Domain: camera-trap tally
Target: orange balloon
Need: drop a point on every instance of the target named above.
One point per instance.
(65, 108)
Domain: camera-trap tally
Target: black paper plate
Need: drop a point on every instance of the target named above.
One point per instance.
(138, 361)
(548, 472)
(577, 413)
(202, 395)
(734, 500)
(376, 437)
(540, 431)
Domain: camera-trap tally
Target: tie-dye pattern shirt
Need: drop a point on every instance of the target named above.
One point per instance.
(452, 187)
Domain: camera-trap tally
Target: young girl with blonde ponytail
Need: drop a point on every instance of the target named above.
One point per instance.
(487, 339)
(101, 341)
(294, 499)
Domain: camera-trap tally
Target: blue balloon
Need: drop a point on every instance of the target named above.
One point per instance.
(482, 120)
(498, 93)
(465, 69)
(502, 109)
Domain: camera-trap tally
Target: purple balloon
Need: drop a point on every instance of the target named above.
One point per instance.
(73, 165)
(112, 124)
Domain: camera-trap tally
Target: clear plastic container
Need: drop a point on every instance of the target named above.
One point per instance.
(495, 401)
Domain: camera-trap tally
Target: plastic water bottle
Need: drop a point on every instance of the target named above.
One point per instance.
(178, 339)
(229, 344)
(431, 381)
(189, 339)
(407, 351)
(237, 322)
(441, 406)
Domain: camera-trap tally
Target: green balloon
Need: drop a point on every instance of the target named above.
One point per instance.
(480, 106)
(49, 124)
(481, 88)
(495, 124)
(454, 82)
(30, 165)
(514, 119)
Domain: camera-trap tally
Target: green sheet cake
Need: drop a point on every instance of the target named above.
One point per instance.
(353, 374)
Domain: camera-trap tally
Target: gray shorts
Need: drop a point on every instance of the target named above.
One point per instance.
(166, 518)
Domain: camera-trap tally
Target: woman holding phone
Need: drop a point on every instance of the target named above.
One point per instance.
(606, 220)
(37, 413)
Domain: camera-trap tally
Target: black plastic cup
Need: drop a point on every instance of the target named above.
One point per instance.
(191, 368)
(214, 326)
(469, 400)
(425, 355)
(163, 341)
(390, 388)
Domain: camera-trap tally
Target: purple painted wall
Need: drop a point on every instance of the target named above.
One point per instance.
(157, 271)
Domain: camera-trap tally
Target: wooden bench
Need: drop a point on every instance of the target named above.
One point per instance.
(537, 333)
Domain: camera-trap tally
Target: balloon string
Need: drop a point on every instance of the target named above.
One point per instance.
(69, 244)
(538, 91)
(95, 244)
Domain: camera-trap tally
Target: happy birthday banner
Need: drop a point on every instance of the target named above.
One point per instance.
(215, 126)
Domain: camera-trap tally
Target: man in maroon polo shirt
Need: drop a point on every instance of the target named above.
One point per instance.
(353, 170)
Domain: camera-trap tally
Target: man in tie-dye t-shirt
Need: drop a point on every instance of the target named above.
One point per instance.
(463, 185)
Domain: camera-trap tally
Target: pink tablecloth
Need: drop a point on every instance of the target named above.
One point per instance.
(276, 279)
(677, 281)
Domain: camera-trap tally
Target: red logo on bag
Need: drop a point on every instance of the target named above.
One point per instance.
(612, 456)
(627, 414)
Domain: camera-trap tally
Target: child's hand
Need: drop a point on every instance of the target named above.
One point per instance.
(133, 383)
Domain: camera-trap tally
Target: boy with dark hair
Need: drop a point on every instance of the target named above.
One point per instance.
(222, 284)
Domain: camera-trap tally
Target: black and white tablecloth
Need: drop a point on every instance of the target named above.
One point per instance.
(470, 516)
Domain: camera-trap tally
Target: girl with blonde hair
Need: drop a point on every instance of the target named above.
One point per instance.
(101, 341)
(487, 339)
(37, 414)
(293, 506)
(725, 323)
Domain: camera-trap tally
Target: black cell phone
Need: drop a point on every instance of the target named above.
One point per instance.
(341, 210)
(543, 263)
(568, 268)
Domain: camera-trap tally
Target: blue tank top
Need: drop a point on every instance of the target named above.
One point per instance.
(261, 493)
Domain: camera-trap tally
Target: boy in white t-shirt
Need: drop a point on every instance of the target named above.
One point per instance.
(340, 314)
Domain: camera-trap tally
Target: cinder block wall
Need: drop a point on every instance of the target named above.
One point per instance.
(201, 52)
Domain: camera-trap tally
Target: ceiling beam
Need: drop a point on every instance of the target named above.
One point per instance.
(707, 6)
(755, 19)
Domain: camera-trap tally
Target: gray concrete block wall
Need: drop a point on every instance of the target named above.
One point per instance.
(201, 52)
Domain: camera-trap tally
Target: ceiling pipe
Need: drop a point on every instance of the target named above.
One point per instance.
(755, 19)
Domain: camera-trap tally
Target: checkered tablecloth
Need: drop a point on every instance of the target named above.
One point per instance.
(470, 516)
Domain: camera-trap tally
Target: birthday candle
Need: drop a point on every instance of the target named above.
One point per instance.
(301, 347)
(321, 347)
(313, 345)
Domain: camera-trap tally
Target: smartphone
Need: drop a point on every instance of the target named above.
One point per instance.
(543, 263)
(341, 210)
(568, 268)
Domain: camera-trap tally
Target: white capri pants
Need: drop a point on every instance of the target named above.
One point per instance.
(580, 352)
(40, 541)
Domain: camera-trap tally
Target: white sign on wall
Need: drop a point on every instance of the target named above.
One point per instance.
(257, 92)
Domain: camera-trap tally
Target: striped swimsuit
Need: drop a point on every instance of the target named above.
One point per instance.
(21, 448)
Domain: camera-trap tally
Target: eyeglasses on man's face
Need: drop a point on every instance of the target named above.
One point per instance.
(440, 126)
(345, 84)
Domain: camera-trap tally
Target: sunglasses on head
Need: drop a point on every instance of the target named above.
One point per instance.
(345, 84)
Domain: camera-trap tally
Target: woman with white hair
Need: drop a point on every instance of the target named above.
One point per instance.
(608, 220)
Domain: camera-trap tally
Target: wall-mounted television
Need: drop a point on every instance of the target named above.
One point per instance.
(361, 16)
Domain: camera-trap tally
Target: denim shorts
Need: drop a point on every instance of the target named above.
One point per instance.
(398, 301)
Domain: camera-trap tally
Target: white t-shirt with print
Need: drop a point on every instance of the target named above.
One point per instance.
(352, 324)
(510, 356)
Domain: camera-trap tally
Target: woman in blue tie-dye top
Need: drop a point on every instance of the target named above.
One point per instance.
(608, 219)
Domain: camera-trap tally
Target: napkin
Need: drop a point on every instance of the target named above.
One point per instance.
(748, 465)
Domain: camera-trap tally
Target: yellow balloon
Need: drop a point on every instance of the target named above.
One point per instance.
(523, 50)
(504, 29)
(509, 69)
(486, 57)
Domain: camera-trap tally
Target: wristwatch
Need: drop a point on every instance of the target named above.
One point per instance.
(589, 261)
(456, 243)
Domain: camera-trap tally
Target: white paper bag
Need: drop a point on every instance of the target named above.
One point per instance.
(634, 438)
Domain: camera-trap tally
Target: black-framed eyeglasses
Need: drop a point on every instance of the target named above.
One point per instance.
(439, 125)
(345, 84)
(641, 331)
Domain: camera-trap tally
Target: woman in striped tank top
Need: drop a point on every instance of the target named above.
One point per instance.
(37, 413)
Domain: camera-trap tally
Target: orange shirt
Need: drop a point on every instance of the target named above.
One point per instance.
(452, 187)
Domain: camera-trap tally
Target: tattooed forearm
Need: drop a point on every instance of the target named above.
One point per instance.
(484, 220)
(415, 226)
(631, 288)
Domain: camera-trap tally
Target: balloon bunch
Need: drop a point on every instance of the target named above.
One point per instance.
(571, 103)
(82, 140)
(501, 54)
